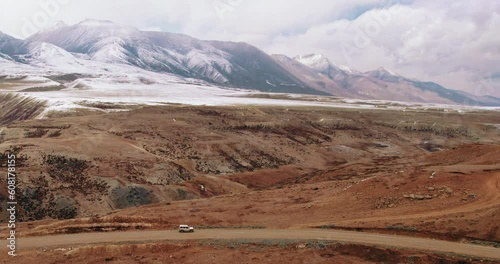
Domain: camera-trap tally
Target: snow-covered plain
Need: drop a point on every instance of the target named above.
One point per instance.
(128, 85)
(112, 91)
(119, 92)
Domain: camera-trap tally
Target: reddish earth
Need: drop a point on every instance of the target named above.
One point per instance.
(283, 235)
(419, 173)
(217, 251)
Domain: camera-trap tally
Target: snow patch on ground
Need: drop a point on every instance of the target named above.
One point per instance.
(126, 84)
(270, 83)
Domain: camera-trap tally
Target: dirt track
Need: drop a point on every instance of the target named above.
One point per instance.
(304, 234)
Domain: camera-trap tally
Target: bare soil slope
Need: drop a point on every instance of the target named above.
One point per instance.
(431, 173)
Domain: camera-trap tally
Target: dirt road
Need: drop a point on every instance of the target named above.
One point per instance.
(260, 234)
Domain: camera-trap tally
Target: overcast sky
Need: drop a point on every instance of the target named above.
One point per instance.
(453, 42)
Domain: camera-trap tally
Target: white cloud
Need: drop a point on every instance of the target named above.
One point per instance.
(429, 42)
(451, 42)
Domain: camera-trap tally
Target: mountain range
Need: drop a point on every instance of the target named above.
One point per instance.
(95, 44)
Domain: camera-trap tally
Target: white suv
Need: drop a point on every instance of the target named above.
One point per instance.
(186, 228)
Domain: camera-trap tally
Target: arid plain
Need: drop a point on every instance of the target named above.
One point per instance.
(426, 173)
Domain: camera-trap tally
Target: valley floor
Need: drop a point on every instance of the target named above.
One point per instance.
(420, 173)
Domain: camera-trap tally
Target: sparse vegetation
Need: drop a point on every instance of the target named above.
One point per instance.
(56, 133)
(130, 196)
(331, 226)
(401, 228)
(249, 251)
(16, 150)
(486, 243)
(281, 243)
(40, 196)
(318, 244)
(335, 125)
(66, 78)
(105, 227)
(108, 106)
(445, 130)
(73, 174)
(267, 160)
(51, 88)
(230, 227)
(181, 193)
(37, 133)
(38, 200)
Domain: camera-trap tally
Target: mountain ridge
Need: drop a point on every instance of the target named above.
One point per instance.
(179, 54)
(381, 84)
(222, 63)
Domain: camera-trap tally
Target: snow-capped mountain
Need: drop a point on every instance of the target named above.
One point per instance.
(127, 54)
(9, 46)
(317, 62)
(216, 62)
(312, 76)
(381, 84)
(45, 54)
(322, 64)
(385, 75)
(108, 42)
(199, 58)
(254, 68)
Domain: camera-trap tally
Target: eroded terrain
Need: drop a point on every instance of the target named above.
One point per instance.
(421, 172)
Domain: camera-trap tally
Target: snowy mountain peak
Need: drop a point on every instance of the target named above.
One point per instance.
(385, 75)
(57, 25)
(322, 64)
(312, 59)
(345, 69)
(96, 23)
(53, 27)
(385, 71)
(89, 35)
(45, 51)
(315, 61)
(95, 30)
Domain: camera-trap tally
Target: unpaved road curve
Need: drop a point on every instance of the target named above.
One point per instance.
(296, 234)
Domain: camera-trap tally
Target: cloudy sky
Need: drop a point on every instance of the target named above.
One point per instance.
(453, 42)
